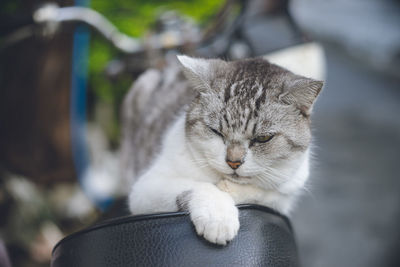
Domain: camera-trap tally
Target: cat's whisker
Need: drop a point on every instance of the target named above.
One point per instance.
(266, 182)
(198, 160)
(276, 173)
(308, 191)
(201, 163)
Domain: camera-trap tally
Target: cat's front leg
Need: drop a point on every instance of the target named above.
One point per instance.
(251, 194)
(212, 212)
(241, 193)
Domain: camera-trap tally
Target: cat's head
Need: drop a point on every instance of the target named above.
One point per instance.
(250, 118)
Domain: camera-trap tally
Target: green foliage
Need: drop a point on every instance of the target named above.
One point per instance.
(132, 17)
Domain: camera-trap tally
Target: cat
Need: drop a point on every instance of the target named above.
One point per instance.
(236, 132)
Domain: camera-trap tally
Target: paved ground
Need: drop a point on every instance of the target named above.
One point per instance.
(352, 213)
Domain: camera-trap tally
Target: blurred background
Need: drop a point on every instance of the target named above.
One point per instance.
(66, 65)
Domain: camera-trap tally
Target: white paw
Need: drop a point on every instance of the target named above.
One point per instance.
(217, 222)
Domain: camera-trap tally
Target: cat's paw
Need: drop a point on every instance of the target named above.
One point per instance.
(217, 222)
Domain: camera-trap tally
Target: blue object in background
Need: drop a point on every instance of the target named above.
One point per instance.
(78, 108)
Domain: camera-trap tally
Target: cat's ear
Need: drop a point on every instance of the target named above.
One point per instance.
(199, 71)
(301, 92)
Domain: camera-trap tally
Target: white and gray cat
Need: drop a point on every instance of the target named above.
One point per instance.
(236, 132)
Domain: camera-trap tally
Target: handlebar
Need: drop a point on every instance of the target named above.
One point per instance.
(51, 15)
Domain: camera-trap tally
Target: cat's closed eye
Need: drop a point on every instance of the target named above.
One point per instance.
(216, 132)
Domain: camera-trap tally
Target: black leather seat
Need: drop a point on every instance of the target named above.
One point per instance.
(169, 239)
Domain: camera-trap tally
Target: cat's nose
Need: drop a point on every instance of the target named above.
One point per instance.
(234, 164)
